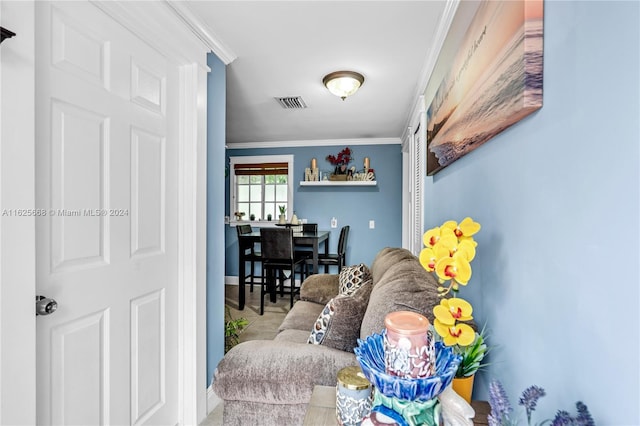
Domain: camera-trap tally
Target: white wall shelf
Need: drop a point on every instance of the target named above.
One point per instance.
(339, 183)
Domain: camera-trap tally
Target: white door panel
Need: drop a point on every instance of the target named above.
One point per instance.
(106, 149)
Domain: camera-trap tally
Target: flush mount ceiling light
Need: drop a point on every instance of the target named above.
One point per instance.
(343, 83)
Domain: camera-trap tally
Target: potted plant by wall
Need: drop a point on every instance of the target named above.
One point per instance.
(282, 219)
(232, 329)
(448, 252)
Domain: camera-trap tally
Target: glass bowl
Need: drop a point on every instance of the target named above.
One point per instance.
(370, 355)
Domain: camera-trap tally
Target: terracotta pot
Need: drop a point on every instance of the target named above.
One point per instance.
(463, 387)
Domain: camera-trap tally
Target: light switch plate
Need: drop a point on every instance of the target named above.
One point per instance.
(334, 222)
(372, 224)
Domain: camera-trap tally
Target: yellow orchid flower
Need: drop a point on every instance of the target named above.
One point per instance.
(450, 247)
(431, 237)
(428, 259)
(457, 334)
(451, 224)
(434, 235)
(455, 268)
(454, 309)
(467, 227)
(466, 248)
(449, 250)
(447, 240)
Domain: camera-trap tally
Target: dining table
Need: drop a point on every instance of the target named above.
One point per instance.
(306, 239)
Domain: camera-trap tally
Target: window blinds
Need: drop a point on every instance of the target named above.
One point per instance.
(262, 169)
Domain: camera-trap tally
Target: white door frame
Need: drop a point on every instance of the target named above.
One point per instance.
(158, 24)
(17, 234)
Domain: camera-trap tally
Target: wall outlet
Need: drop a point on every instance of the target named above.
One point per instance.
(372, 224)
(334, 222)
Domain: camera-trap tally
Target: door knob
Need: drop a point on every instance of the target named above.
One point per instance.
(45, 306)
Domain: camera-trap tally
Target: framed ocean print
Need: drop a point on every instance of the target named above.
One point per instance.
(488, 76)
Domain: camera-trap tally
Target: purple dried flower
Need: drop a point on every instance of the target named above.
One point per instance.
(530, 398)
(584, 417)
(499, 402)
(562, 419)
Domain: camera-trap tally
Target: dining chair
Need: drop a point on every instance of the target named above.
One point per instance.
(306, 251)
(310, 227)
(338, 259)
(278, 256)
(249, 253)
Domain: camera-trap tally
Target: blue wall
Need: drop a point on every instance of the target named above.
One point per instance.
(556, 274)
(216, 113)
(351, 205)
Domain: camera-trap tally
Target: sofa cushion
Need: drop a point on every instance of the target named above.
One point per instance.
(294, 336)
(338, 325)
(301, 316)
(386, 258)
(319, 288)
(352, 277)
(405, 286)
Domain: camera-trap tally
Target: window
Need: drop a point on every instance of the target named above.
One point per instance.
(260, 184)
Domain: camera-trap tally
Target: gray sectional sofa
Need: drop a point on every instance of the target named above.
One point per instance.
(269, 382)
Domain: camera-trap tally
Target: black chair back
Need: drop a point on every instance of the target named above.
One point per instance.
(342, 241)
(276, 244)
(243, 229)
(310, 227)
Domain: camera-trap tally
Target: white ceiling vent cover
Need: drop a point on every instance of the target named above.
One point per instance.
(292, 102)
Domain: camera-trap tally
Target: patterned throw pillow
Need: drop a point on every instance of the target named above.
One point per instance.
(352, 277)
(338, 325)
(322, 323)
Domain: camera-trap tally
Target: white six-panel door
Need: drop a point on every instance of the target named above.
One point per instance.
(106, 173)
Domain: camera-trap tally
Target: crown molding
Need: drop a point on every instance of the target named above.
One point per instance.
(200, 30)
(314, 143)
(425, 74)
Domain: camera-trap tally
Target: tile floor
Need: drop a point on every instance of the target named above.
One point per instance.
(260, 327)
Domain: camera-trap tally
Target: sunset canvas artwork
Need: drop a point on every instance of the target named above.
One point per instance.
(493, 80)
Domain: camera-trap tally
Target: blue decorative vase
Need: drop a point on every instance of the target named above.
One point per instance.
(409, 401)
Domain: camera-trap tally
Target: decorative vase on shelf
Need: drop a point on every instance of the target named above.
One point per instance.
(282, 219)
(294, 219)
(463, 387)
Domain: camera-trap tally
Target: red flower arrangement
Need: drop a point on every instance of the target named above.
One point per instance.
(342, 159)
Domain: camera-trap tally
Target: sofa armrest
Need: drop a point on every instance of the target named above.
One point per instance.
(277, 372)
(319, 288)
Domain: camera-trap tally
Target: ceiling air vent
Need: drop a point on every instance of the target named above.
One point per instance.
(292, 102)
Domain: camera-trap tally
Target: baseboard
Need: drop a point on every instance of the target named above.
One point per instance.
(212, 400)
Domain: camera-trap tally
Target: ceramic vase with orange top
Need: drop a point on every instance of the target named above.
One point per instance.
(409, 346)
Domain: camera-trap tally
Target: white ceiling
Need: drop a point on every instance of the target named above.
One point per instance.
(285, 48)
